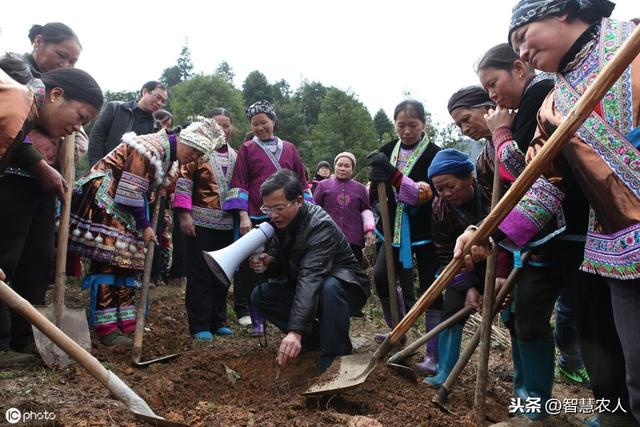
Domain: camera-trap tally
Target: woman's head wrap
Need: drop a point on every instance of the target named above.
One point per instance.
(450, 162)
(261, 106)
(348, 155)
(526, 11)
(323, 164)
(470, 97)
(203, 134)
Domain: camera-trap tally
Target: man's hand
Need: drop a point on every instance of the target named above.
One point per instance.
(473, 299)
(2, 276)
(50, 178)
(500, 117)
(186, 224)
(245, 223)
(289, 348)
(478, 252)
(259, 262)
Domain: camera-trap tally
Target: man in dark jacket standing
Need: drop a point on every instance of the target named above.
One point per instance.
(118, 118)
(319, 285)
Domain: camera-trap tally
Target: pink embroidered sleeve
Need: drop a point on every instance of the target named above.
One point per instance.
(503, 141)
(408, 191)
(368, 222)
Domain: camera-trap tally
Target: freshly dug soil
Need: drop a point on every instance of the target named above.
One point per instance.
(232, 382)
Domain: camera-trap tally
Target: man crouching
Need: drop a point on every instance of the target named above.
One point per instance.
(319, 285)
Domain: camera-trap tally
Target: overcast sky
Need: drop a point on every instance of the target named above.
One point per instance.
(379, 50)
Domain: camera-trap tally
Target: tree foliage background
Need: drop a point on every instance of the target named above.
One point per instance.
(321, 121)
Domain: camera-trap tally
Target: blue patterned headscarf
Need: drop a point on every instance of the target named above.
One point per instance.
(450, 162)
(526, 11)
(262, 106)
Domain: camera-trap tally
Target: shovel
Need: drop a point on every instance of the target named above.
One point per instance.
(111, 381)
(141, 309)
(388, 248)
(72, 321)
(348, 372)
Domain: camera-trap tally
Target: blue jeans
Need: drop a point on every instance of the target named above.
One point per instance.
(337, 302)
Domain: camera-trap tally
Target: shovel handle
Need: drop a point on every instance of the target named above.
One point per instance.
(487, 307)
(79, 354)
(68, 169)
(583, 108)
(146, 278)
(115, 385)
(388, 248)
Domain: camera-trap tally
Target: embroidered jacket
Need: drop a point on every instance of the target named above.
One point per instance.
(253, 166)
(128, 173)
(202, 189)
(604, 162)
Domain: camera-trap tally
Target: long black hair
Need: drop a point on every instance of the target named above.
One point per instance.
(220, 112)
(78, 85)
(53, 32)
(413, 108)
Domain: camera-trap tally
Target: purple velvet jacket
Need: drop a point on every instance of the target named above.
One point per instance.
(252, 168)
(347, 202)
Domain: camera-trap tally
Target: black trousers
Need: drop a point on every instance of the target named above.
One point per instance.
(625, 301)
(179, 264)
(206, 298)
(538, 288)
(598, 339)
(427, 264)
(337, 302)
(27, 222)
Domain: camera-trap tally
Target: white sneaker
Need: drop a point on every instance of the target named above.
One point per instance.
(244, 321)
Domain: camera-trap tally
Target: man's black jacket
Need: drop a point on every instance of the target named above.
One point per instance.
(311, 248)
(115, 120)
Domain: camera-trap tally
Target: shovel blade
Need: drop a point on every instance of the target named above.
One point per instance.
(74, 325)
(351, 371)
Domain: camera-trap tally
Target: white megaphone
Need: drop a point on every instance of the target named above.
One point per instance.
(223, 262)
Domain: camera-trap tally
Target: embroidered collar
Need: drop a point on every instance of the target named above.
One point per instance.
(580, 49)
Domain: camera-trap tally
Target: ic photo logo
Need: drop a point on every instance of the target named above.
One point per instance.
(13, 415)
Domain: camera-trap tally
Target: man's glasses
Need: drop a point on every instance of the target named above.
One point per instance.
(276, 209)
(161, 99)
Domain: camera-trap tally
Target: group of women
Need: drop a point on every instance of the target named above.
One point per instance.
(580, 220)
